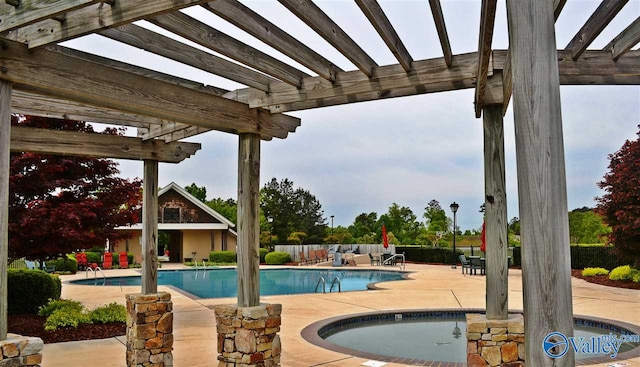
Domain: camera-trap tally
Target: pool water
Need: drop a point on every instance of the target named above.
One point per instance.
(434, 340)
(218, 283)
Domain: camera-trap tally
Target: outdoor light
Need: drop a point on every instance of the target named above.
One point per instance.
(454, 208)
(332, 224)
(270, 221)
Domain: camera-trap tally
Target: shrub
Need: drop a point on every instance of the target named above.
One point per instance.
(28, 290)
(56, 304)
(621, 273)
(64, 264)
(584, 257)
(222, 257)
(64, 317)
(429, 254)
(112, 312)
(591, 272)
(93, 257)
(263, 253)
(635, 275)
(277, 258)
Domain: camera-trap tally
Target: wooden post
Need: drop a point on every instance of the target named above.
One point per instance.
(542, 191)
(5, 141)
(248, 220)
(150, 228)
(495, 214)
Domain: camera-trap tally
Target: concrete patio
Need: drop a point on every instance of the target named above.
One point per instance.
(430, 287)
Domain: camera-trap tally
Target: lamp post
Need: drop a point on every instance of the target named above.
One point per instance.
(332, 225)
(270, 221)
(454, 208)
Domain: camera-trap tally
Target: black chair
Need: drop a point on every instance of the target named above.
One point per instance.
(374, 260)
(465, 264)
(476, 264)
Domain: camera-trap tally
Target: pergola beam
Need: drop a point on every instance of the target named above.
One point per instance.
(441, 28)
(251, 22)
(29, 12)
(594, 26)
(320, 22)
(87, 82)
(383, 26)
(94, 17)
(57, 142)
(487, 21)
(206, 36)
(5, 163)
(158, 44)
(623, 42)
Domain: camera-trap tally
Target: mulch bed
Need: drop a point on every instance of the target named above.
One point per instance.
(604, 280)
(33, 325)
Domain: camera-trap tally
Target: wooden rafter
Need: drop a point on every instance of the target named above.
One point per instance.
(558, 5)
(487, 21)
(29, 12)
(441, 27)
(24, 139)
(623, 42)
(320, 22)
(88, 82)
(206, 36)
(94, 17)
(594, 25)
(254, 24)
(381, 23)
(147, 40)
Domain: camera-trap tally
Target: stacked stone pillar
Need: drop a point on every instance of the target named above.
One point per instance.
(247, 336)
(495, 342)
(18, 351)
(149, 330)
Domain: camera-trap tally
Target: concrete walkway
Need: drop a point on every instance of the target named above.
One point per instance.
(430, 287)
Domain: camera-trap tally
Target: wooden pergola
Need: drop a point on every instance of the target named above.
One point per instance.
(40, 77)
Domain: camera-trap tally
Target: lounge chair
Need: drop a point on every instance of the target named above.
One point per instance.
(81, 258)
(324, 254)
(303, 259)
(465, 264)
(107, 261)
(30, 264)
(124, 261)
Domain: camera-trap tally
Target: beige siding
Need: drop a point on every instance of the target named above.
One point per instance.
(134, 246)
(198, 242)
(232, 241)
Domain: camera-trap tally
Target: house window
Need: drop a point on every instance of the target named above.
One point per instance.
(171, 215)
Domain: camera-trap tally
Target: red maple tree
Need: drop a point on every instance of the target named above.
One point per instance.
(59, 204)
(620, 205)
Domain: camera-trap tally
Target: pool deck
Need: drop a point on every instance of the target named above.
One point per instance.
(430, 287)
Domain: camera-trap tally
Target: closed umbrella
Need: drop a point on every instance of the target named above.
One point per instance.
(385, 240)
(483, 239)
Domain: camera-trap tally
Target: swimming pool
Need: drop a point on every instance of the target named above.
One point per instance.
(422, 336)
(219, 283)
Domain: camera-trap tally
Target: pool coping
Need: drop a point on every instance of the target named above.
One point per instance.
(311, 334)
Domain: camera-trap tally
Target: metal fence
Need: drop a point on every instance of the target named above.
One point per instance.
(18, 264)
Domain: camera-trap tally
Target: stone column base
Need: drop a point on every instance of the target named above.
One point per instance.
(17, 351)
(247, 336)
(149, 330)
(495, 342)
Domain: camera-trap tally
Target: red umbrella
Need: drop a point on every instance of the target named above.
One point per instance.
(483, 239)
(385, 240)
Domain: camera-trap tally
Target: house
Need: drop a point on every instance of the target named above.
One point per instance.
(189, 228)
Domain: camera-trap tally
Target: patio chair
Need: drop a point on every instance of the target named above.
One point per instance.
(465, 264)
(374, 260)
(81, 258)
(303, 259)
(107, 260)
(324, 254)
(475, 265)
(124, 261)
(30, 264)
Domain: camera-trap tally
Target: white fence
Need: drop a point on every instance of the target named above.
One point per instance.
(294, 250)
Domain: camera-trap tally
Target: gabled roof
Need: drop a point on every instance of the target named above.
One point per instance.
(184, 193)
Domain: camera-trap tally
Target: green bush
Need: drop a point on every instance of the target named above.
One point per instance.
(222, 257)
(65, 317)
(94, 257)
(263, 253)
(583, 257)
(28, 290)
(56, 304)
(635, 275)
(621, 273)
(65, 264)
(112, 312)
(428, 254)
(277, 258)
(591, 272)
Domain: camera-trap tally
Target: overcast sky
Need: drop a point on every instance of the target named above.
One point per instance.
(364, 157)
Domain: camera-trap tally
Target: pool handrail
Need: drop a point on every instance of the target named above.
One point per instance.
(389, 260)
(334, 282)
(95, 273)
(324, 284)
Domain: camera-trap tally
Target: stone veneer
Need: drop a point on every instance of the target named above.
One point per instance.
(495, 342)
(247, 336)
(149, 330)
(17, 350)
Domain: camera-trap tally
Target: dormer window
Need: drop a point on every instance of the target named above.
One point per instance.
(171, 215)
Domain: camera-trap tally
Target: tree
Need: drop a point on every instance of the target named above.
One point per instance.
(436, 217)
(292, 210)
(340, 235)
(199, 193)
(585, 226)
(59, 204)
(297, 237)
(364, 224)
(402, 222)
(227, 208)
(620, 205)
(514, 226)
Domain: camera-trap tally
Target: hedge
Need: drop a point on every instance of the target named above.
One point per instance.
(277, 258)
(583, 257)
(428, 254)
(64, 264)
(28, 290)
(222, 257)
(263, 253)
